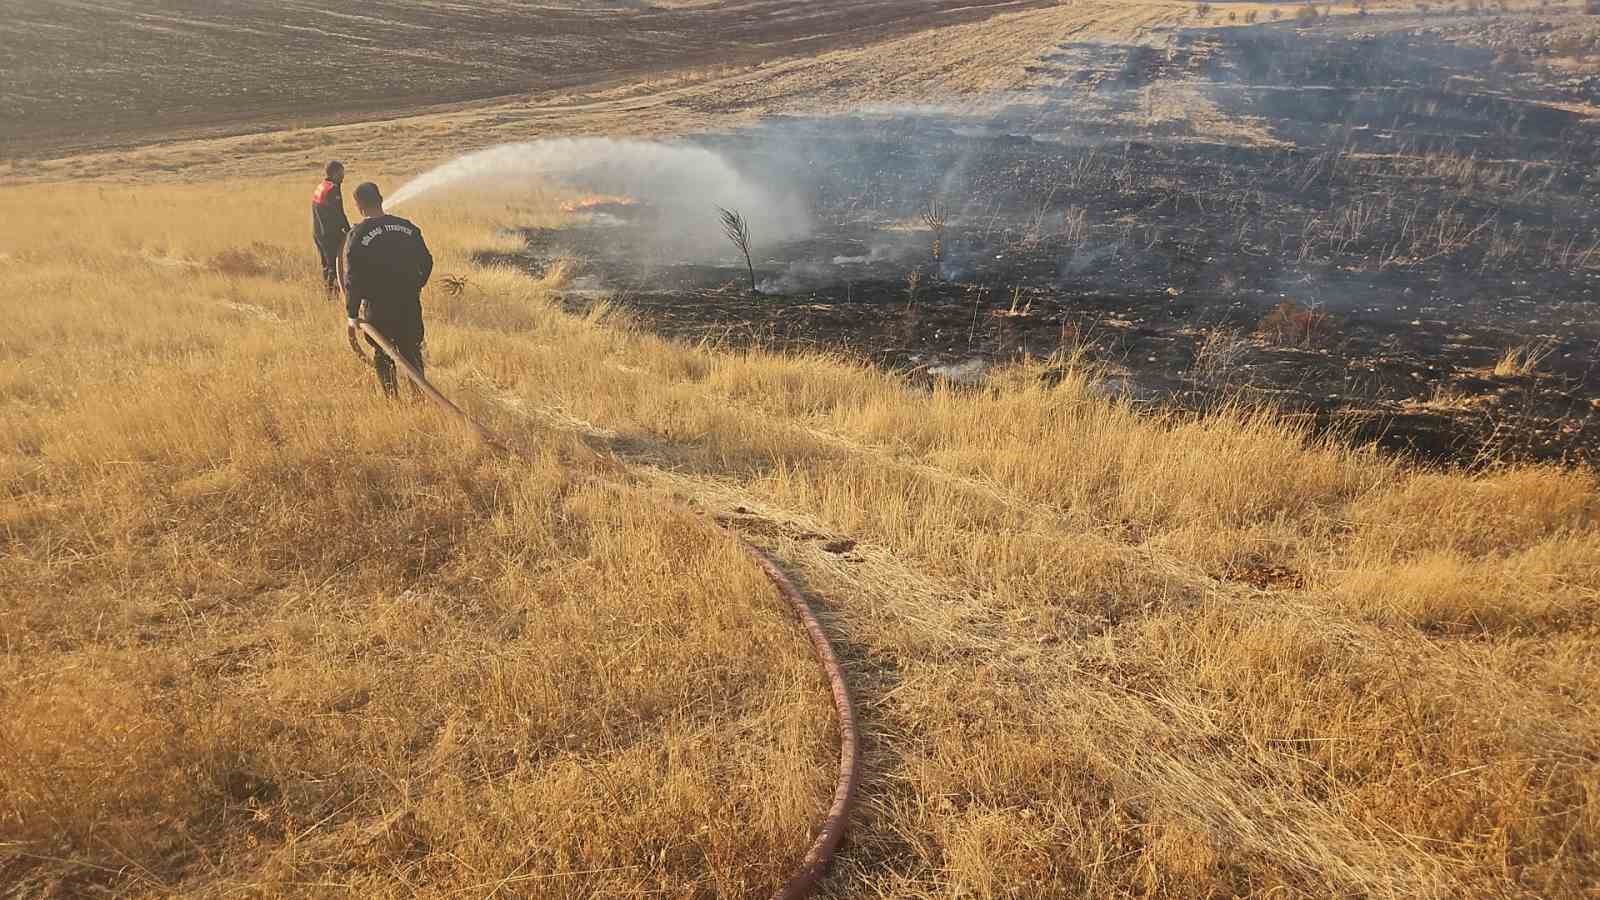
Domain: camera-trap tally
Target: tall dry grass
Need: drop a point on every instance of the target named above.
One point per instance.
(265, 633)
(1098, 652)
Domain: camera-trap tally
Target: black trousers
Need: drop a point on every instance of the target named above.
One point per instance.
(330, 265)
(406, 334)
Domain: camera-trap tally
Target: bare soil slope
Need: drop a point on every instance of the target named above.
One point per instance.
(969, 60)
(177, 66)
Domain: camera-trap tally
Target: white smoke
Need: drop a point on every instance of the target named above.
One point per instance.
(683, 185)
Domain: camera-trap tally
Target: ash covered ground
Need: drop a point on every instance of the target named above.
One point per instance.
(1385, 232)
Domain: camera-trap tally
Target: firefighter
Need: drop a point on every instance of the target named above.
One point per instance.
(386, 265)
(329, 224)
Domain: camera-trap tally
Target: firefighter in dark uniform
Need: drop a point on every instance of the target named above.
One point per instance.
(328, 224)
(386, 265)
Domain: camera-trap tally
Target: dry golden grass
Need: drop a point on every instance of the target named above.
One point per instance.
(266, 633)
(1524, 359)
(263, 633)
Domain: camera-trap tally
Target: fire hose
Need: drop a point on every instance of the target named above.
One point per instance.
(804, 881)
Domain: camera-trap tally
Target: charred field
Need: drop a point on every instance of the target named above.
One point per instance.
(1386, 234)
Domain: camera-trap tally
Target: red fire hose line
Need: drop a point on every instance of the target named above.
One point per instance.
(803, 883)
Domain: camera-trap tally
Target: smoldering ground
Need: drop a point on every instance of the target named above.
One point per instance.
(1375, 220)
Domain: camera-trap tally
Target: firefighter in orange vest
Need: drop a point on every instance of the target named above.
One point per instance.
(329, 224)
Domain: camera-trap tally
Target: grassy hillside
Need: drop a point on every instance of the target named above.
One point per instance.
(264, 633)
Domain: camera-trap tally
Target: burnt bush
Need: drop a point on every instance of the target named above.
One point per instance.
(1291, 324)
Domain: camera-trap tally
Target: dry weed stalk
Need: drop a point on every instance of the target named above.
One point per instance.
(1075, 225)
(1017, 309)
(1218, 356)
(1572, 253)
(935, 217)
(738, 233)
(558, 273)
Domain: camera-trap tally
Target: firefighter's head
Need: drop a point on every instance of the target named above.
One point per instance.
(368, 199)
(334, 171)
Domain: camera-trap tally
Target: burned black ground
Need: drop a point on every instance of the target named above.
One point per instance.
(1391, 216)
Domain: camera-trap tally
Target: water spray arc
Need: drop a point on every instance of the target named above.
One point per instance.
(804, 881)
(674, 180)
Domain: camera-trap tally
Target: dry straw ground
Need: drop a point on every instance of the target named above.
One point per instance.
(264, 634)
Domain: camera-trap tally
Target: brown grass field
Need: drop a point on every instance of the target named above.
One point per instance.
(264, 634)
